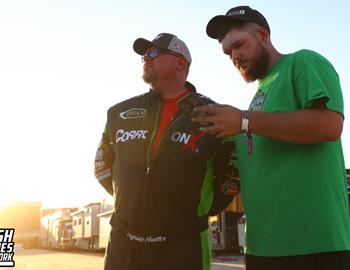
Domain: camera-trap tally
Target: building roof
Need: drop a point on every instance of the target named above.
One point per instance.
(105, 213)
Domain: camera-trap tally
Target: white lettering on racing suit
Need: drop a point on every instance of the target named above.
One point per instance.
(123, 136)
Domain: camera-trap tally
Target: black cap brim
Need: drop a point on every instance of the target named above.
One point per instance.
(215, 24)
(141, 45)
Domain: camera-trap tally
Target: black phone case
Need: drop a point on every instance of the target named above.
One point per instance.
(188, 102)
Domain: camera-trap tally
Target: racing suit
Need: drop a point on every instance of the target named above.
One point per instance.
(162, 199)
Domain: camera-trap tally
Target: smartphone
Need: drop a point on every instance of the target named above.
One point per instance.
(188, 102)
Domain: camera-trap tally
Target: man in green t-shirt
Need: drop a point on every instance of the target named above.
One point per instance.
(290, 156)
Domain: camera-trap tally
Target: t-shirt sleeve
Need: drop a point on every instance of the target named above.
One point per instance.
(317, 79)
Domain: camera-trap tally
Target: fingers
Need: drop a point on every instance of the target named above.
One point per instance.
(209, 109)
(204, 114)
(203, 120)
(205, 117)
(213, 130)
(218, 120)
(209, 129)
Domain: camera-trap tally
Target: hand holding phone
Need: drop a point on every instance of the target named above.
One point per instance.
(188, 102)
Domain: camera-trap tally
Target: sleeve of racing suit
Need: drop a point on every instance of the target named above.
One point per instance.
(226, 178)
(104, 162)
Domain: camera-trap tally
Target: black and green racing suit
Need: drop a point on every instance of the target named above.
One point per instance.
(162, 199)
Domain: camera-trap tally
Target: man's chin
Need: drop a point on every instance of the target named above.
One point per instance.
(247, 77)
(148, 78)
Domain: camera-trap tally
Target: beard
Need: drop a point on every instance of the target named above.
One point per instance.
(149, 77)
(258, 66)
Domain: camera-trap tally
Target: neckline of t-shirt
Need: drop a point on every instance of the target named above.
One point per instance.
(275, 67)
(178, 97)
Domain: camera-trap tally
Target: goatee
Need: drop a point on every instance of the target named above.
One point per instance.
(258, 67)
(149, 78)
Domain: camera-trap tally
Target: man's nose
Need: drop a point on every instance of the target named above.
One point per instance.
(234, 55)
(146, 58)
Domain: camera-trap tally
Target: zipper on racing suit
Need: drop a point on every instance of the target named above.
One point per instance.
(167, 131)
(162, 139)
(153, 136)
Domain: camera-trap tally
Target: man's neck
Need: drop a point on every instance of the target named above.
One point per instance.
(275, 57)
(170, 90)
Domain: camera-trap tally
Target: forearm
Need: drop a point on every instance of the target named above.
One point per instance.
(302, 127)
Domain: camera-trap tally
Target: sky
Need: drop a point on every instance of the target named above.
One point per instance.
(63, 63)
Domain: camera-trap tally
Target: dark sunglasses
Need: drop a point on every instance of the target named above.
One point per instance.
(153, 53)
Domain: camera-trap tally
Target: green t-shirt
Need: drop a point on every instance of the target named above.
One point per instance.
(295, 195)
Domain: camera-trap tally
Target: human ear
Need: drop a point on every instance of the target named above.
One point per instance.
(181, 64)
(263, 34)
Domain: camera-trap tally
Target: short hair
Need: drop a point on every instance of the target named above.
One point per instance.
(240, 25)
(187, 70)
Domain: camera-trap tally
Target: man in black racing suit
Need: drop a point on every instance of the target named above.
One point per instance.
(166, 175)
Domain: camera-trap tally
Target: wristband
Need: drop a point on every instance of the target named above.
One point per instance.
(245, 129)
(245, 122)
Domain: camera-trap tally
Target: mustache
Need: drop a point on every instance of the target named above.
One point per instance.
(238, 63)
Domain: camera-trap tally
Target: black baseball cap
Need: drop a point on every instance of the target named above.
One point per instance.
(164, 41)
(234, 15)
